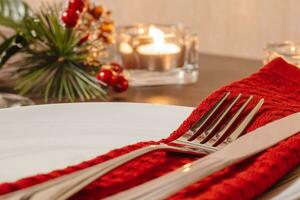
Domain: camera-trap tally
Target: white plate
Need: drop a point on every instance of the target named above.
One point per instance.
(39, 139)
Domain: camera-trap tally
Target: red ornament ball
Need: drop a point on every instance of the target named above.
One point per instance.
(107, 76)
(70, 18)
(121, 84)
(116, 68)
(77, 5)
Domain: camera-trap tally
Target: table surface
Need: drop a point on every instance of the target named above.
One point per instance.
(214, 72)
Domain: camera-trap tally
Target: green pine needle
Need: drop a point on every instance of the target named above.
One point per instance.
(53, 64)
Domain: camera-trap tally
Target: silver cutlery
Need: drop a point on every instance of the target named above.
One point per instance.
(241, 149)
(204, 137)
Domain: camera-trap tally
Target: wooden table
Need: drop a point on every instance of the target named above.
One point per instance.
(214, 72)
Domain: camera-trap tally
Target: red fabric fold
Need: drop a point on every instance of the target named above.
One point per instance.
(278, 82)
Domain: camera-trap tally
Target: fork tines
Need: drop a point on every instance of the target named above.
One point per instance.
(226, 120)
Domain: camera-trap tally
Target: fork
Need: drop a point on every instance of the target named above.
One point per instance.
(212, 130)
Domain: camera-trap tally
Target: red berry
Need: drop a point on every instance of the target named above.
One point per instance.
(70, 18)
(121, 84)
(84, 39)
(116, 67)
(113, 80)
(96, 12)
(107, 76)
(77, 5)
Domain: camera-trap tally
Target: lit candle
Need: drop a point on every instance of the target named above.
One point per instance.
(159, 46)
(159, 55)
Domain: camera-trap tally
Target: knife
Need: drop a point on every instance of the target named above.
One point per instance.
(243, 148)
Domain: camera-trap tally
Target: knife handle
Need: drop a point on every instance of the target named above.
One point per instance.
(164, 186)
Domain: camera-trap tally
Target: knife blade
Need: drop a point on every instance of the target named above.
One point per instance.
(243, 148)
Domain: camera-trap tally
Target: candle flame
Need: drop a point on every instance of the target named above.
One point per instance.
(158, 36)
(141, 31)
(158, 46)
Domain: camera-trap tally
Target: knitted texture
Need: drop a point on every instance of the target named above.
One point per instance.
(278, 82)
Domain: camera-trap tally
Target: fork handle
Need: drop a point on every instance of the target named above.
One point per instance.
(66, 186)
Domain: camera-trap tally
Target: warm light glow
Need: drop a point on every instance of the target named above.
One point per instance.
(161, 100)
(159, 45)
(187, 167)
(141, 31)
(293, 49)
(158, 37)
(125, 48)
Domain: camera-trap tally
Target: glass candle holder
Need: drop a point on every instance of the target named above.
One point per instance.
(158, 54)
(289, 51)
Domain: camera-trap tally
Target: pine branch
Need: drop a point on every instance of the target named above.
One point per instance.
(54, 66)
(13, 12)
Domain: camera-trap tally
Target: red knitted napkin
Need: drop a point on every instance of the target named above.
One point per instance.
(278, 83)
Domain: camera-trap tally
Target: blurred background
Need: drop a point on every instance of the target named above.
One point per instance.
(236, 28)
(233, 35)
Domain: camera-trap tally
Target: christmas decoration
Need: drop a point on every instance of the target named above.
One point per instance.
(106, 76)
(121, 84)
(116, 67)
(112, 75)
(70, 18)
(77, 5)
(62, 50)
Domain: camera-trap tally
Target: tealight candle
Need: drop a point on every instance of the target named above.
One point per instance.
(159, 46)
(159, 55)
